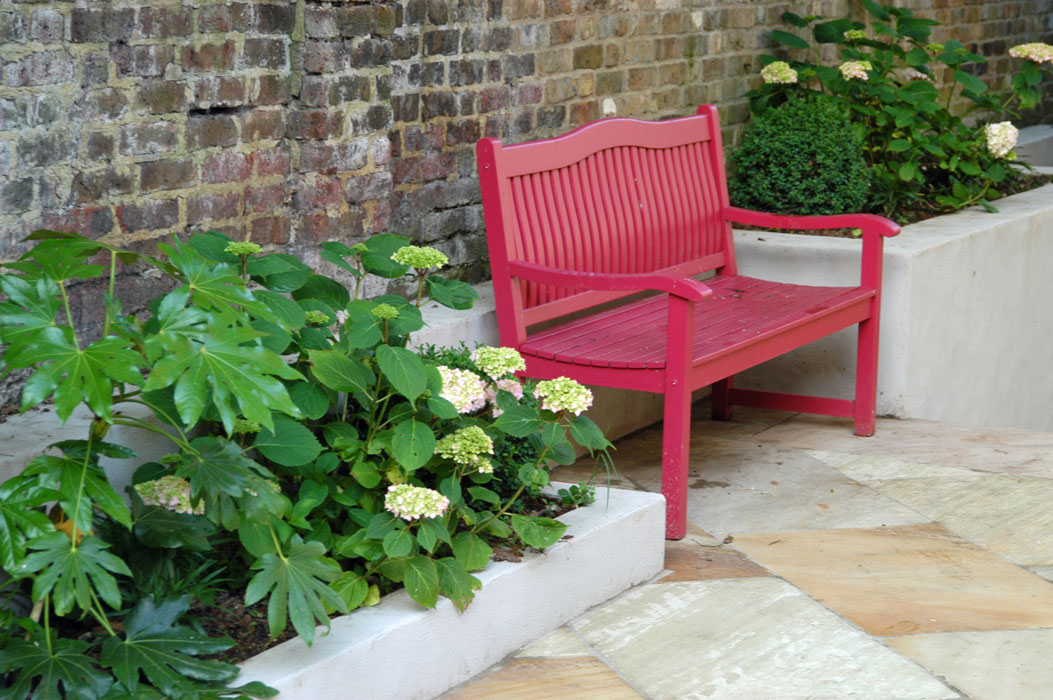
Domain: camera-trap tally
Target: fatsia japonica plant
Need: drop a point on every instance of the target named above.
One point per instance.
(936, 136)
(318, 461)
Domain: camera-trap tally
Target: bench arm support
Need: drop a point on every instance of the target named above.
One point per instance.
(683, 287)
(867, 222)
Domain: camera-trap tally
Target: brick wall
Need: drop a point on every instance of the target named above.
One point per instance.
(296, 121)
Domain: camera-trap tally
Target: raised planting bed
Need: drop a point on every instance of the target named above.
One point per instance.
(400, 651)
(966, 324)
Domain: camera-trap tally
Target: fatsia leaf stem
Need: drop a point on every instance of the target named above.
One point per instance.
(133, 422)
(47, 621)
(113, 276)
(80, 490)
(69, 314)
(277, 545)
(99, 614)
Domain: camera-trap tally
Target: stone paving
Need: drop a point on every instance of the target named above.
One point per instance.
(914, 565)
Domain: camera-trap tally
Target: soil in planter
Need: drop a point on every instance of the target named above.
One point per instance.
(1025, 183)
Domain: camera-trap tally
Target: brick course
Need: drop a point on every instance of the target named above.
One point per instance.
(294, 121)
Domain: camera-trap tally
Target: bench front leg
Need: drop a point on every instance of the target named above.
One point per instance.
(676, 429)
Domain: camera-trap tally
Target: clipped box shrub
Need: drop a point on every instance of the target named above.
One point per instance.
(801, 157)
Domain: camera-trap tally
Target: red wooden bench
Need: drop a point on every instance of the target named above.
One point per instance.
(622, 206)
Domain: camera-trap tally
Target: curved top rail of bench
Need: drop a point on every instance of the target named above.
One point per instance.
(574, 146)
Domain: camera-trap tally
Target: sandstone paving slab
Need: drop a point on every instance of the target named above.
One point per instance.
(694, 563)
(871, 467)
(581, 678)
(1045, 572)
(559, 642)
(745, 487)
(746, 639)
(906, 580)
(1010, 515)
(999, 450)
(997, 665)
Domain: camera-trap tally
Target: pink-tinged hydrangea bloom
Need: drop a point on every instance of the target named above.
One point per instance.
(1001, 138)
(915, 74)
(465, 389)
(498, 362)
(856, 70)
(411, 502)
(512, 386)
(169, 492)
(1036, 51)
(563, 394)
(779, 72)
(468, 447)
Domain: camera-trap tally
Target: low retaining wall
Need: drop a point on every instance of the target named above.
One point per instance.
(967, 322)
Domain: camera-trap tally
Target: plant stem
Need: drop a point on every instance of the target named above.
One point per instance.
(113, 274)
(69, 314)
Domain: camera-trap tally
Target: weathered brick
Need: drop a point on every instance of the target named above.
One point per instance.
(267, 198)
(562, 32)
(641, 78)
(144, 61)
(325, 56)
(47, 26)
(167, 174)
(494, 99)
(265, 124)
(518, 66)
(164, 22)
(103, 183)
(93, 222)
(438, 104)
(378, 118)
(440, 225)
(385, 20)
(150, 215)
(219, 91)
(95, 68)
(147, 139)
(428, 137)
(316, 157)
(552, 62)
(226, 166)
(207, 130)
(265, 53)
(318, 228)
(101, 25)
(98, 145)
(584, 112)
(588, 56)
(214, 18)
(209, 57)
(312, 124)
(438, 12)
(13, 29)
(349, 88)
(363, 188)
(271, 161)
(16, 196)
(272, 230)
(320, 22)
(371, 52)
(43, 150)
(610, 82)
(321, 193)
(441, 42)
(465, 131)
(435, 166)
(528, 94)
(380, 150)
(467, 72)
(561, 89)
(43, 68)
(275, 19)
(405, 108)
(213, 207)
(349, 156)
(551, 117)
(269, 90)
(354, 21)
(162, 96)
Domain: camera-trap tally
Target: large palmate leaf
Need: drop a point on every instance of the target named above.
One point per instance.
(156, 647)
(71, 574)
(73, 374)
(19, 518)
(212, 285)
(80, 485)
(228, 366)
(290, 444)
(298, 585)
(29, 308)
(56, 671)
(218, 472)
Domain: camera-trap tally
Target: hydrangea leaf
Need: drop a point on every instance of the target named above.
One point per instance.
(324, 289)
(404, 369)
(156, 647)
(538, 532)
(421, 579)
(339, 372)
(297, 584)
(312, 400)
(454, 294)
(413, 444)
(290, 444)
(456, 583)
(519, 421)
(377, 258)
(471, 551)
(587, 434)
(398, 543)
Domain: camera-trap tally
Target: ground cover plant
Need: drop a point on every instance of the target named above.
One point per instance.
(319, 462)
(929, 149)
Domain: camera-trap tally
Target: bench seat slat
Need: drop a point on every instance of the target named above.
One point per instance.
(741, 311)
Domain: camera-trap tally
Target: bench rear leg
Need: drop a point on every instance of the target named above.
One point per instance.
(720, 399)
(676, 449)
(865, 406)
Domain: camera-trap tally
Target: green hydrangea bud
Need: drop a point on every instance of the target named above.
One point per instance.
(855, 34)
(243, 426)
(420, 257)
(359, 248)
(317, 318)
(935, 47)
(384, 311)
(241, 248)
(170, 459)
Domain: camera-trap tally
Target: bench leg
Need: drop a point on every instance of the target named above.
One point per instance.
(865, 406)
(676, 448)
(720, 399)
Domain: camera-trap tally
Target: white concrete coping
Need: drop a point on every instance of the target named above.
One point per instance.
(401, 651)
(1034, 144)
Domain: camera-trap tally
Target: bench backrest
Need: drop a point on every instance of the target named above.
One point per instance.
(614, 196)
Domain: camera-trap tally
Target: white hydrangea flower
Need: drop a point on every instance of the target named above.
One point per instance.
(512, 386)
(465, 389)
(468, 447)
(915, 74)
(411, 502)
(169, 492)
(779, 72)
(854, 70)
(1035, 51)
(563, 394)
(497, 362)
(1001, 138)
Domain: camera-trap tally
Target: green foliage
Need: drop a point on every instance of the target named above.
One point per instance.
(800, 157)
(308, 472)
(925, 146)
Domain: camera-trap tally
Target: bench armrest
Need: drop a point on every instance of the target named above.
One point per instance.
(866, 222)
(683, 287)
